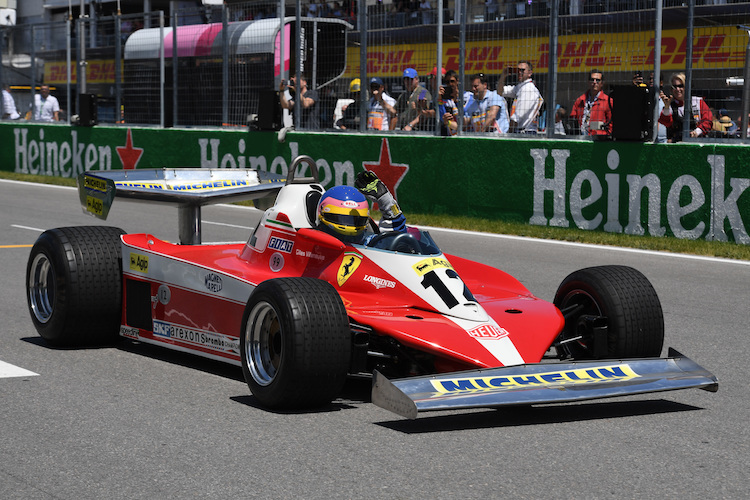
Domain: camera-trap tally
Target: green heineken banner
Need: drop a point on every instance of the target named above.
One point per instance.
(683, 190)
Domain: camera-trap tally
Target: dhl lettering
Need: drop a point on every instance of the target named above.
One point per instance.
(97, 71)
(568, 377)
(712, 47)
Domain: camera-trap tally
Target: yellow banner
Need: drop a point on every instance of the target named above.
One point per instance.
(97, 71)
(717, 47)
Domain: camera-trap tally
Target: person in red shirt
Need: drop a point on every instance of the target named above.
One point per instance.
(593, 110)
(701, 121)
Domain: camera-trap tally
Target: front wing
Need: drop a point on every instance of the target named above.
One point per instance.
(539, 383)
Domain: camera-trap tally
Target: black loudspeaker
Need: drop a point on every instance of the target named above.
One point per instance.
(630, 113)
(269, 110)
(87, 115)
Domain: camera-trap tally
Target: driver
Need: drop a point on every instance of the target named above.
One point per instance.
(344, 212)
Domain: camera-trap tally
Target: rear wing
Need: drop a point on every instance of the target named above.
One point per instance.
(188, 188)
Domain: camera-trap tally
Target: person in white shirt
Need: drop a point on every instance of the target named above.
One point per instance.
(381, 108)
(527, 100)
(9, 105)
(46, 106)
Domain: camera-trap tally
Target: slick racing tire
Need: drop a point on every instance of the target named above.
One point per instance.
(619, 298)
(295, 343)
(74, 285)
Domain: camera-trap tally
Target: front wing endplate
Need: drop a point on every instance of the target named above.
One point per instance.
(539, 383)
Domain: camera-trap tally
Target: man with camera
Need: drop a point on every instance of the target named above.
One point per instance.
(592, 110)
(381, 108)
(307, 97)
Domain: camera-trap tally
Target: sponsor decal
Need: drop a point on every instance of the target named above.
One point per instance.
(164, 294)
(276, 262)
(211, 340)
(608, 373)
(349, 204)
(139, 262)
(425, 266)
(95, 183)
(488, 332)
(380, 282)
(129, 332)
(280, 244)
(308, 254)
(349, 264)
(94, 205)
(213, 282)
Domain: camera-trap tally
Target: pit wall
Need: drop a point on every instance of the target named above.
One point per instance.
(688, 190)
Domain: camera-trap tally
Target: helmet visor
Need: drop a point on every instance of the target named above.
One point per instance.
(350, 220)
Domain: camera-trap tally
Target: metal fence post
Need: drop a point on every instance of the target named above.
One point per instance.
(745, 87)
(688, 113)
(436, 99)
(657, 70)
(364, 86)
(554, 20)
(224, 65)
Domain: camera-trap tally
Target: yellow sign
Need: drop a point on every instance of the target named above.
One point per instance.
(139, 262)
(97, 71)
(716, 47)
(351, 262)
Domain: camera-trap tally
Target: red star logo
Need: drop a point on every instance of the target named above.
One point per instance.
(390, 173)
(129, 156)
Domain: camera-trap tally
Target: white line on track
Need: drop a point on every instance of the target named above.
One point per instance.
(7, 370)
(27, 227)
(493, 235)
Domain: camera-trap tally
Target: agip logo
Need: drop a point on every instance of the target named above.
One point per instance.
(139, 262)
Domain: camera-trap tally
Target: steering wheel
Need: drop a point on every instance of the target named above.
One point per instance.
(396, 242)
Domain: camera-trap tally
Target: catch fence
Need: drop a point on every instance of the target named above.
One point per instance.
(225, 66)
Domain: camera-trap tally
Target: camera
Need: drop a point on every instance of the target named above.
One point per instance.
(448, 92)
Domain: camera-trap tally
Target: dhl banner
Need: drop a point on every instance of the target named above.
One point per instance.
(717, 47)
(97, 71)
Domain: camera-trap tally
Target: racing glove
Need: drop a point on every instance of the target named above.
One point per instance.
(369, 185)
(372, 187)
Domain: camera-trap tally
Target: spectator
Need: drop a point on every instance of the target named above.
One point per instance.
(490, 10)
(527, 101)
(408, 103)
(592, 110)
(308, 97)
(701, 121)
(46, 107)
(381, 108)
(727, 127)
(638, 79)
(346, 114)
(9, 105)
(448, 104)
(560, 114)
(487, 112)
(426, 9)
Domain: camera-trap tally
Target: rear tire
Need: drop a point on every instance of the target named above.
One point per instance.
(295, 343)
(628, 302)
(74, 285)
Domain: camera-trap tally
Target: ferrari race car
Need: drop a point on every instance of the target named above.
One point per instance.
(300, 311)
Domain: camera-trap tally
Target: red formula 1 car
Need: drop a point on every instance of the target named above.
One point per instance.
(299, 310)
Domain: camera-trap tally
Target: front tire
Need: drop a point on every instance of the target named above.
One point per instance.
(74, 285)
(295, 343)
(617, 297)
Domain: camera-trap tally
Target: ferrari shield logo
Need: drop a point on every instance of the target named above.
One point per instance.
(348, 266)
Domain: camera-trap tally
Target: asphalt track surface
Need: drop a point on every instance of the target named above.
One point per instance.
(137, 421)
